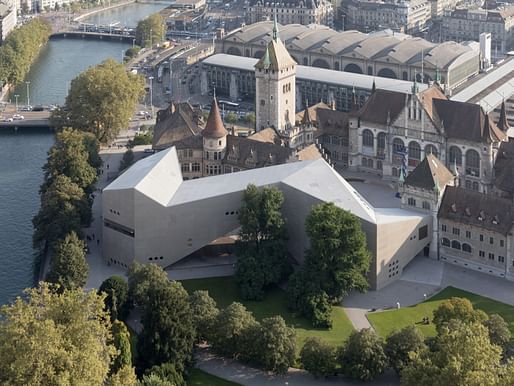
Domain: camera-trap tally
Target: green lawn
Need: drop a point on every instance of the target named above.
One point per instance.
(198, 377)
(386, 321)
(224, 291)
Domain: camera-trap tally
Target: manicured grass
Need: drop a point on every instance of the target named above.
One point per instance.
(224, 291)
(198, 377)
(385, 322)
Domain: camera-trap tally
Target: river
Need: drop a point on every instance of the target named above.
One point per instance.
(23, 154)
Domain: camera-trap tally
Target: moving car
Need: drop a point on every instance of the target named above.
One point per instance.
(18, 117)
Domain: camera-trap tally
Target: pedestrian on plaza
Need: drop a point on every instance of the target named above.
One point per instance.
(107, 166)
(93, 236)
(97, 242)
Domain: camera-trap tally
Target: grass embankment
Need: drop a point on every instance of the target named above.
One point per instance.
(224, 291)
(385, 322)
(198, 377)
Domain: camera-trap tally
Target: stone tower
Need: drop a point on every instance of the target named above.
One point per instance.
(275, 91)
(214, 142)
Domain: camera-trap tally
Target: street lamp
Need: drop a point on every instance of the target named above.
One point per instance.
(28, 93)
(133, 43)
(150, 78)
(16, 96)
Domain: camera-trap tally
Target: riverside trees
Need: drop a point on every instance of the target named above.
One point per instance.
(150, 31)
(101, 100)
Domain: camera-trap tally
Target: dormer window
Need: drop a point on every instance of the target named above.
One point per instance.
(496, 219)
(468, 212)
(454, 208)
(481, 216)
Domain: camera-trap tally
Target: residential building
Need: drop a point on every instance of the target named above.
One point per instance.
(385, 53)
(302, 12)
(437, 7)
(8, 20)
(402, 16)
(467, 24)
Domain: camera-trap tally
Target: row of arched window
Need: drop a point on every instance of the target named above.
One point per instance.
(455, 244)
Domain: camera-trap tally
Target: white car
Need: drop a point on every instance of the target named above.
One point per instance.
(18, 117)
(8, 119)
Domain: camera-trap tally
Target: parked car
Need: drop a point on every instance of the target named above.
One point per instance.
(25, 108)
(18, 117)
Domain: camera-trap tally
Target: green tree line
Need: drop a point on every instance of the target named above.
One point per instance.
(20, 48)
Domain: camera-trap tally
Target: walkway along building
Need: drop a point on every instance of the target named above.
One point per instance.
(151, 215)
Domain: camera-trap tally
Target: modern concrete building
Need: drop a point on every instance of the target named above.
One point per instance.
(402, 16)
(303, 12)
(151, 215)
(383, 54)
(8, 20)
(467, 24)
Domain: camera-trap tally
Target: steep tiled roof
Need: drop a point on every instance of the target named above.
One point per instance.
(268, 135)
(466, 121)
(504, 168)
(249, 153)
(214, 127)
(332, 122)
(503, 124)
(312, 112)
(428, 173)
(428, 96)
(175, 123)
(192, 142)
(477, 209)
(380, 104)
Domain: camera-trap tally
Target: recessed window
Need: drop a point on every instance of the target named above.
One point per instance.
(481, 253)
(501, 259)
(443, 228)
(468, 234)
(491, 256)
(456, 231)
(491, 240)
(481, 237)
(502, 243)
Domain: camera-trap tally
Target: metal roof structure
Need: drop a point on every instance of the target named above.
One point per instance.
(321, 75)
(491, 89)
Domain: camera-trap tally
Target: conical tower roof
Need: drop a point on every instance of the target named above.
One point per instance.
(503, 124)
(214, 127)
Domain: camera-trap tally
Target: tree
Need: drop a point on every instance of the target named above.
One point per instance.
(101, 100)
(459, 309)
(141, 277)
(70, 157)
(69, 267)
(167, 372)
(150, 31)
(126, 376)
(168, 332)
(336, 263)
(127, 160)
(154, 380)
(276, 345)
(363, 356)
(231, 117)
(498, 329)
(116, 291)
(132, 52)
(234, 328)
(48, 338)
(93, 149)
(401, 344)
(141, 139)
(318, 357)
(261, 250)
(250, 119)
(464, 356)
(205, 312)
(121, 340)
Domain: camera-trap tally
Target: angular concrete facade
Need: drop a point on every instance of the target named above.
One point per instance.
(151, 215)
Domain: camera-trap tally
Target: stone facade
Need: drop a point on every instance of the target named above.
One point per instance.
(303, 12)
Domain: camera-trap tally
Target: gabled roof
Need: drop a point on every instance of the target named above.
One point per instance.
(381, 105)
(258, 153)
(429, 173)
(214, 127)
(474, 208)
(427, 97)
(466, 121)
(175, 123)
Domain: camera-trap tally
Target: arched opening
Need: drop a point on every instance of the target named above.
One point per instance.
(466, 248)
(234, 51)
(320, 63)
(414, 153)
(258, 54)
(455, 155)
(336, 66)
(445, 242)
(455, 244)
(405, 75)
(352, 67)
(431, 149)
(387, 73)
(398, 151)
(472, 163)
(381, 144)
(367, 138)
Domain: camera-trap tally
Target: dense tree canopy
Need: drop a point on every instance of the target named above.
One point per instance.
(70, 156)
(261, 249)
(116, 300)
(64, 209)
(55, 339)
(336, 263)
(150, 31)
(276, 345)
(363, 356)
(21, 48)
(462, 356)
(101, 100)
(141, 277)
(68, 266)
(318, 357)
(498, 329)
(205, 312)
(121, 341)
(400, 346)
(459, 309)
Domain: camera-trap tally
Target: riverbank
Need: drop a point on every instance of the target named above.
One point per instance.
(102, 9)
